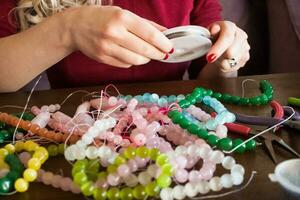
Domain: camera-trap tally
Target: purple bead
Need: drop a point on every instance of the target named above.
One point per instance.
(194, 176)
(181, 175)
(123, 170)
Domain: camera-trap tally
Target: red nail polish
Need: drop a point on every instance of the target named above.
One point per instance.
(166, 57)
(210, 58)
(172, 51)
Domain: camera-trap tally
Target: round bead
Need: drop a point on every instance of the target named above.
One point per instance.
(34, 163)
(164, 181)
(152, 189)
(215, 184)
(237, 178)
(113, 179)
(216, 157)
(47, 178)
(126, 194)
(123, 170)
(52, 149)
(144, 178)
(228, 162)
(131, 180)
(190, 190)
(80, 178)
(226, 181)
(21, 185)
(212, 140)
(202, 187)
(162, 159)
(139, 192)
(130, 152)
(250, 145)
(237, 168)
(30, 175)
(113, 193)
(6, 185)
(178, 192)
(91, 152)
(10, 148)
(142, 152)
(242, 148)
(87, 189)
(100, 194)
(225, 144)
(166, 194)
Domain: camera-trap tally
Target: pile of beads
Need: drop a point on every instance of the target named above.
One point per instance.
(15, 170)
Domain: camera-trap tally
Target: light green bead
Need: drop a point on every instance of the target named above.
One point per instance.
(119, 160)
(52, 150)
(154, 153)
(126, 194)
(162, 159)
(130, 152)
(61, 148)
(164, 181)
(112, 168)
(139, 192)
(87, 189)
(152, 189)
(100, 194)
(142, 152)
(77, 169)
(80, 178)
(102, 175)
(167, 169)
(113, 193)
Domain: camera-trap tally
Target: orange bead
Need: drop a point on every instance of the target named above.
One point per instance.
(58, 137)
(34, 128)
(50, 135)
(3, 117)
(73, 139)
(14, 121)
(64, 137)
(42, 132)
(25, 125)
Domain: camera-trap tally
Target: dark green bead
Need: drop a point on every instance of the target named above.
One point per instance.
(197, 96)
(13, 175)
(184, 123)
(191, 99)
(1, 139)
(244, 101)
(184, 103)
(264, 99)
(6, 134)
(6, 185)
(28, 116)
(177, 117)
(255, 100)
(242, 148)
(217, 95)
(212, 140)
(193, 128)
(202, 133)
(225, 144)
(250, 145)
(199, 90)
(234, 99)
(172, 113)
(225, 98)
(209, 92)
(2, 125)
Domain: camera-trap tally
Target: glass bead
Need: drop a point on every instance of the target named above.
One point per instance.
(238, 169)
(202, 187)
(131, 180)
(184, 123)
(226, 181)
(130, 152)
(87, 189)
(152, 189)
(164, 180)
(19, 146)
(178, 192)
(225, 144)
(142, 152)
(6, 185)
(139, 192)
(13, 175)
(228, 162)
(242, 148)
(3, 153)
(77, 169)
(113, 179)
(100, 194)
(166, 194)
(162, 102)
(126, 194)
(211, 124)
(250, 145)
(216, 157)
(172, 99)
(209, 92)
(234, 99)
(217, 95)
(167, 169)
(30, 146)
(34, 163)
(154, 153)
(215, 184)
(123, 170)
(237, 178)
(264, 99)
(193, 128)
(202, 133)
(212, 140)
(30, 175)
(244, 101)
(184, 103)
(119, 160)
(177, 117)
(255, 100)
(6, 135)
(21, 185)
(113, 193)
(225, 98)
(144, 178)
(10, 148)
(91, 152)
(191, 99)
(53, 150)
(162, 159)
(80, 178)
(190, 190)
(112, 168)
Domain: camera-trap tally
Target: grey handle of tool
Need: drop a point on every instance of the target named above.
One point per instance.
(293, 124)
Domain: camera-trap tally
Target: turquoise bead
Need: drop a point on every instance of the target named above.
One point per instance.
(180, 97)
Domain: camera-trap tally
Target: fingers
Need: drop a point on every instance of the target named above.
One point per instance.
(125, 55)
(149, 33)
(139, 46)
(226, 35)
(158, 26)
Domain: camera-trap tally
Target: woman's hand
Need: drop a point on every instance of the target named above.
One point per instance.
(231, 49)
(116, 37)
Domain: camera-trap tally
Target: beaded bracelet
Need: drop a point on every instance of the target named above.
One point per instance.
(35, 129)
(16, 170)
(139, 191)
(40, 155)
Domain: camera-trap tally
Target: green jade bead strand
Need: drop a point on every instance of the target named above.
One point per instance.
(225, 144)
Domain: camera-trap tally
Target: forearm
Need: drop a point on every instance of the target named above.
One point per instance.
(25, 55)
(211, 71)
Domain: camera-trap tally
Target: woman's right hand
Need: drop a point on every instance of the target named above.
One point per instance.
(115, 36)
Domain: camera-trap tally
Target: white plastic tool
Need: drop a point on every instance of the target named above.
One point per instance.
(287, 174)
(189, 42)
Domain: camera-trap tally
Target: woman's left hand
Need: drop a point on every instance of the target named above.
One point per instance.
(231, 49)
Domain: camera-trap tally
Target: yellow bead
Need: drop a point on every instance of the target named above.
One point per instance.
(30, 175)
(19, 146)
(42, 156)
(30, 146)
(10, 148)
(3, 152)
(21, 185)
(3, 164)
(34, 163)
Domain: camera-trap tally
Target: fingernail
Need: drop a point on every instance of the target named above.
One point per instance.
(210, 58)
(172, 51)
(166, 56)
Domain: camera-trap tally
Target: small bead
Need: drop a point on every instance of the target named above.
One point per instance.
(152, 189)
(30, 175)
(225, 144)
(178, 192)
(250, 145)
(212, 140)
(242, 148)
(139, 192)
(164, 181)
(215, 184)
(21, 185)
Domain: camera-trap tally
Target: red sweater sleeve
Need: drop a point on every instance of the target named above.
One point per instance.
(203, 14)
(7, 21)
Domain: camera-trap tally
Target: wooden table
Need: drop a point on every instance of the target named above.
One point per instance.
(261, 187)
